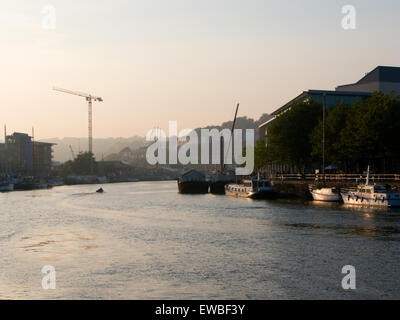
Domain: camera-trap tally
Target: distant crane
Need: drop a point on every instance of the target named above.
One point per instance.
(72, 152)
(89, 98)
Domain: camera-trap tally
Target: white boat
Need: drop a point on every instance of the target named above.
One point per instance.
(372, 195)
(326, 194)
(255, 188)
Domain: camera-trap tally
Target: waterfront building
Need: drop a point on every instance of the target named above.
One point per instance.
(382, 79)
(42, 157)
(20, 155)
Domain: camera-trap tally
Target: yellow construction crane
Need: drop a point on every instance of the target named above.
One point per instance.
(89, 98)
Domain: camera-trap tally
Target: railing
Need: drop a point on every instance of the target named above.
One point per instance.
(336, 177)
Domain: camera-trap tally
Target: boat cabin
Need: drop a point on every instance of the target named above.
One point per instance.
(254, 183)
(193, 175)
(377, 188)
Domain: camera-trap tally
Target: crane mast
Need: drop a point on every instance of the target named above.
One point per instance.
(72, 152)
(89, 98)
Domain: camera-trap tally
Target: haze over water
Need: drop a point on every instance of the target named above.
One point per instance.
(145, 241)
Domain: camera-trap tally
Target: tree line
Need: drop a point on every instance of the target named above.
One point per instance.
(358, 135)
(84, 164)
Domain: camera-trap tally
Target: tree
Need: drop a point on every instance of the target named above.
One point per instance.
(288, 136)
(335, 122)
(260, 155)
(372, 128)
(356, 136)
(361, 135)
(83, 162)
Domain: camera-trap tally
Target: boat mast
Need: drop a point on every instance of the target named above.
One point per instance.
(323, 133)
(222, 140)
(367, 180)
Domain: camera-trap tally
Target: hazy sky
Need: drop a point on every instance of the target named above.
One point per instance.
(186, 60)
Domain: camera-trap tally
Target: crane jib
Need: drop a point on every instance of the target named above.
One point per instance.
(89, 98)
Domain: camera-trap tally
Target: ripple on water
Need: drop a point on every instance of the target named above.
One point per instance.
(60, 244)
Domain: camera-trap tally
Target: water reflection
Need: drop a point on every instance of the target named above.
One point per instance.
(350, 207)
(369, 230)
(323, 205)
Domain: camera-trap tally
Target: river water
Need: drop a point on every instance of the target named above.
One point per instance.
(145, 241)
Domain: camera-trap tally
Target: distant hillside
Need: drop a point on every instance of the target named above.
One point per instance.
(241, 123)
(110, 148)
(101, 147)
(136, 153)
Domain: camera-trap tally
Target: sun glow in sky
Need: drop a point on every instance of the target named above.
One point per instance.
(158, 60)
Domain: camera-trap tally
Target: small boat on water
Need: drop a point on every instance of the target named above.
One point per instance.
(193, 182)
(326, 194)
(254, 188)
(373, 195)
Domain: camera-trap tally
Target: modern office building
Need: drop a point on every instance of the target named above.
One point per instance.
(18, 148)
(20, 155)
(381, 79)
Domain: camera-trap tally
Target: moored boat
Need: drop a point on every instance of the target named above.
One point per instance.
(254, 188)
(31, 183)
(56, 182)
(219, 180)
(6, 183)
(326, 194)
(6, 186)
(374, 195)
(193, 182)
